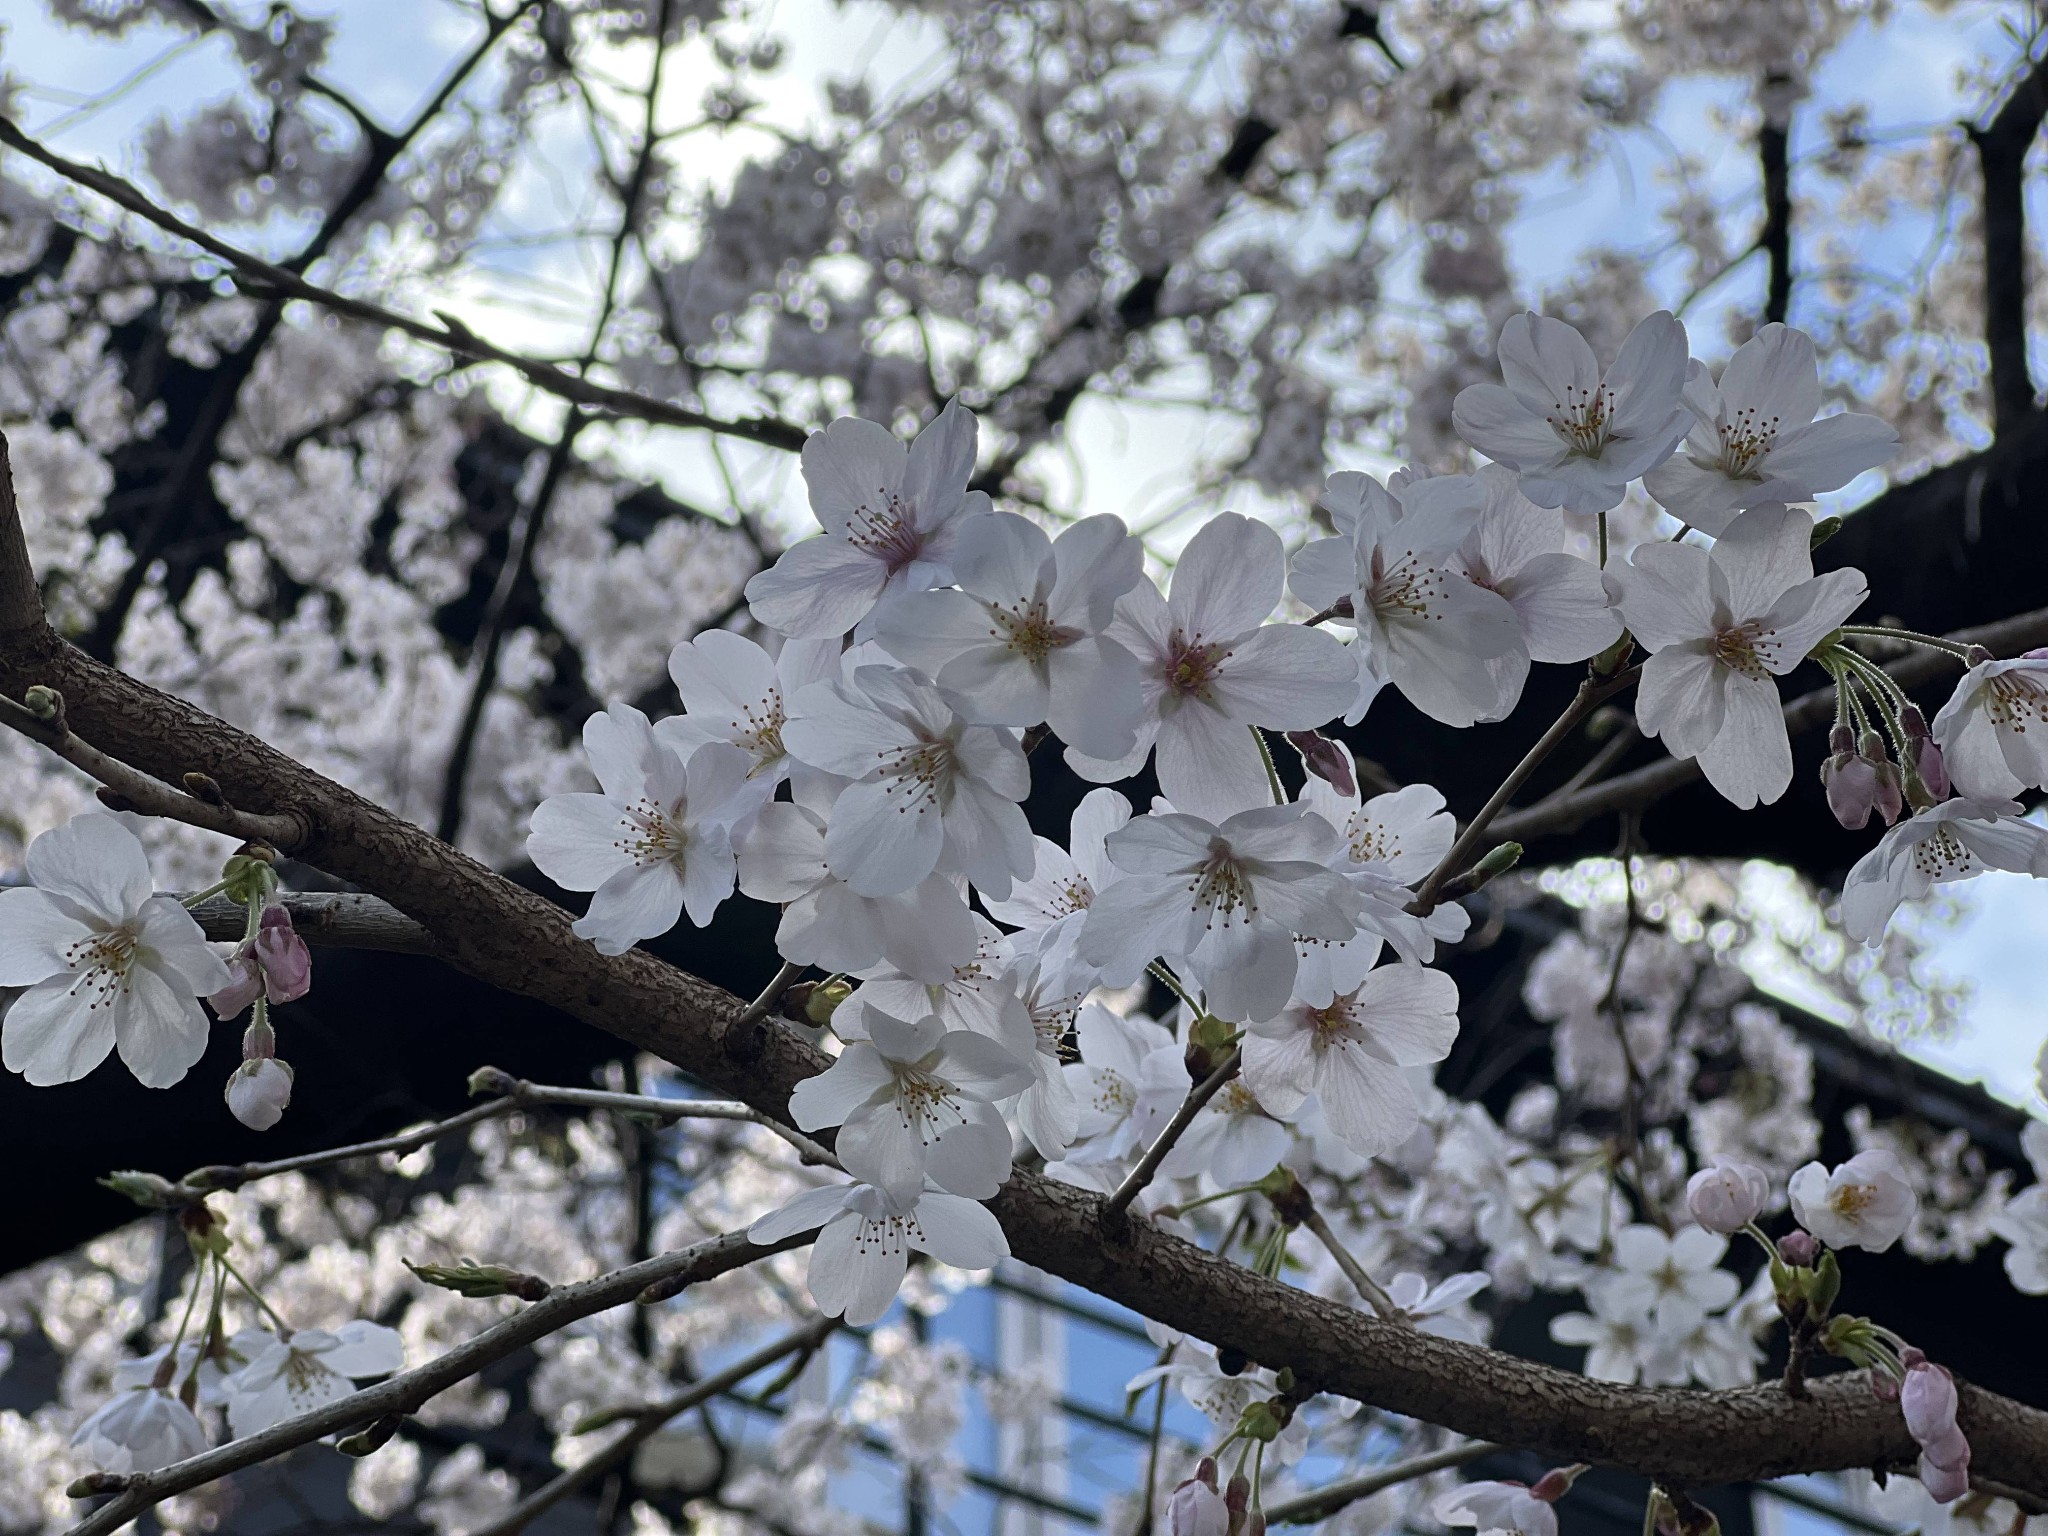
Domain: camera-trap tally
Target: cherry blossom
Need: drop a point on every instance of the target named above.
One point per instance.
(1626, 1339)
(1048, 1112)
(1108, 1079)
(259, 1091)
(654, 843)
(1518, 550)
(1350, 1054)
(1866, 1202)
(1195, 1508)
(977, 995)
(1927, 1398)
(1722, 626)
(1440, 1309)
(1728, 1196)
(913, 1099)
(1993, 731)
(1574, 436)
(1388, 844)
(1211, 668)
(734, 692)
(867, 1235)
(925, 932)
(1022, 639)
(1754, 439)
(139, 1429)
(1232, 1139)
(890, 516)
(1950, 841)
(1227, 899)
(1670, 1273)
(1451, 646)
(108, 963)
(930, 791)
(1047, 907)
(288, 1376)
(1497, 1509)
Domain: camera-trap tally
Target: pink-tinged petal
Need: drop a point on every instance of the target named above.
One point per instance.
(1209, 765)
(850, 467)
(1648, 382)
(721, 674)
(1762, 556)
(1229, 579)
(95, 861)
(1665, 594)
(575, 840)
(1750, 758)
(1500, 426)
(940, 464)
(1807, 614)
(1095, 702)
(821, 586)
(1286, 678)
(1773, 379)
(37, 931)
(1001, 557)
(1562, 605)
(1095, 561)
(806, 1212)
(782, 854)
(1828, 454)
(860, 1077)
(1680, 698)
(641, 901)
(1546, 362)
(879, 845)
(159, 1028)
(959, 1232)
(50, 1036)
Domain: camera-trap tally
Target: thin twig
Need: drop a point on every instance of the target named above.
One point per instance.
(1592, 693)
(451, 335)
(1183, 1117)
(404, 1393)
(523, 1092)
(647, 1423)
(744, 1037)
(132, 789)
(1321, 1503)
(1354, 1271)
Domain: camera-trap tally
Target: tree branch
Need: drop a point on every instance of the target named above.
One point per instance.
(405, 1392)
(1134, 1183)
(338, 919)
(2002, 148)
(450, 335)
(1772, 143)
(1321, 1503)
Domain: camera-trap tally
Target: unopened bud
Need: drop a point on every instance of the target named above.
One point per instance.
(1614, 658)
(93, 1484)
(373, 1436)
(203, 786)
(825, 999)
(259, 1091)
(1325, 759)
(494, 1081)
(1504, 857)
(243, 989)
(287, 963)
(664, 1290)
(113, 799)
(1978, 656)
(205, 1233)
(1727, 1197)
(146, 1189)
(1290, 1200)
(1799, 1247)
(1823, 530)
(1557, 1482)
(480, 1281)
(43, 702)
(1238, 1494)
(248, 877)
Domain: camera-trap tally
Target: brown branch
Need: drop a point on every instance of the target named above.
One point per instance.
(2002, 148)
(1134, 1183)
(337, 919)
(515, 939)
(449, 336)
(1810, 711)
(404, 1393)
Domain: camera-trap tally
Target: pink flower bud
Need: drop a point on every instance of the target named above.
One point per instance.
(1928, 1399)
(258, 1092)
(1556, 1483)
(1195, 1508)
(1727, 1197)
(1944, 1485)
(1325, 759)
(1883, 1388)
(239, 993)
(287, 963)
(1798, 1247)
(1852, 788)
(1931, 766)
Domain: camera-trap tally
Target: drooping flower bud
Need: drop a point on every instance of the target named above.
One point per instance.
(287, 963)
(1195, 1508)
(1850, 780)
(1728, 1196)
(1923, 761)
(239, 993)
(1325, 759)
(258, 1092)
(1888, 799)
(1799, 1247)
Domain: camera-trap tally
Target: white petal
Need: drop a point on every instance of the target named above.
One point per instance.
(51, 1036)
(95, 861)
(1001, 556)
(858, 1077)
(1562, 605)
(808, 1210)
(36, 932)
(159, 1027)
(173, 942)
(366, 1349)
(641, 901)
(1774, 375)
(1286, 678)
(960, 1232)
(1208, 764)
(575, 840)
(719, 673)
(1228, 580)
(1500, 426)
(879, 846)
(850, 466)
(821, 586)
(1750, 758)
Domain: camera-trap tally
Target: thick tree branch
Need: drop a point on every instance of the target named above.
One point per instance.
(405, 1392)
(338, 919)
(2002, 149)
(451, 335)
(1773, 144)
(515, 939)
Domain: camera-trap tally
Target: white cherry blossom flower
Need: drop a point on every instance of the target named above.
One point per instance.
(930, 791)
(1211, 668)
(977, 995)
(1653, 1271)
(914, 1099)
(1048, 1112)
(286, 1377)
(1950, 841)
(108, 963)
(1233, 1139)
(1722, 627)
(1576, 438)
(1728, 1196)
(736, 693)
(1387, 845)
(1451, 646)
(1626, 1340)
(654, 843)
(1226, 899)
(924, 932)
(1048, 907)
(1866, 1202)
(890, 516)
(1349, 1053)
(1022, 640)
(1108, 1080)
(1497, 1509)
(863, 1250)
(139, 1429)
(1993, 731)
(1754, 439)
(1518, 550)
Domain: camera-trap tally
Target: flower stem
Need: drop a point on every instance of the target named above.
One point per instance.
(1272, 768)
(1953, 648)
(1164, 975)
(197, 897)
(1183, 1117)
(284, 1328)
(1354, 1271)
